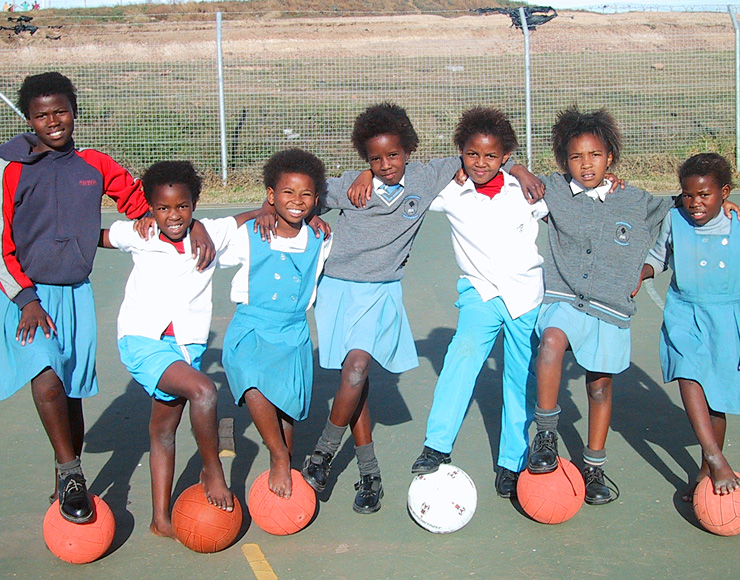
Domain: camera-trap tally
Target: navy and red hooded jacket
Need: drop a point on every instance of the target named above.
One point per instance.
(50, 222)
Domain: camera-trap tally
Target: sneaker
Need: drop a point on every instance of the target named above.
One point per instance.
(316, 470)
(506, 482)
(543, 454)
(75, 503)
(429, 461)
(369, 493)
(597, 492)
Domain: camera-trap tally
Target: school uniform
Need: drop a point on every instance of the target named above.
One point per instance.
(267, 345)
(699, 339)
(494, 240)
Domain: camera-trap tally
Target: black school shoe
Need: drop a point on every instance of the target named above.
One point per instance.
(506, 483)
(429, 461)
(316, 470)
(75, 503)
(543, 454)
(597, 492)
(369, 493)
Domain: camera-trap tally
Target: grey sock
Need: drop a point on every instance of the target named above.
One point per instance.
(330, 438)
(546, 419)
(366, 460)
(69, 468)
(595, 458)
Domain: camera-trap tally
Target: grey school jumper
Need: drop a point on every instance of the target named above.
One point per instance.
(596, 249)
(371, 244)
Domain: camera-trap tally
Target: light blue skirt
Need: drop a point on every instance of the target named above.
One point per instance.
(366, 316)
(147, 359)
(70, 352)
(271, 352)
(598, 346)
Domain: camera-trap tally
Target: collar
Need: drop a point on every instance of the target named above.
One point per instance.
(298, 243)
(595, 193)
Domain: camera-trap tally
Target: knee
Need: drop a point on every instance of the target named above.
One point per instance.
(600, 391)
(355, 369)
(47, 388)
(203, 393)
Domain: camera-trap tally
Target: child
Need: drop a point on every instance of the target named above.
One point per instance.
(50, 228)
(163, 328)
(497, 289)
(699, 343)
(597, 244)
(268, 355)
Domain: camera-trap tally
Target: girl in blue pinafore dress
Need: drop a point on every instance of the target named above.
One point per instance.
(267, 353)
(700, 337)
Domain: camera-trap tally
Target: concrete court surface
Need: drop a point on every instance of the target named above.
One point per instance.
(647, 533)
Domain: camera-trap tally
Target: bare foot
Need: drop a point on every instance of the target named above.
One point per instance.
(163, 528)
(217, 492)
(724, 479)
(279, 481)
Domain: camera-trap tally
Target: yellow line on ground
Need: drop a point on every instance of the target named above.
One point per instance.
(257, 561)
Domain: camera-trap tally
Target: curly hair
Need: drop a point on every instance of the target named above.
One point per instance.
(383, 119)
(295, 161)
(485, 121)
(705, 164)
(572, 123)
(170, 173)
(43, 85)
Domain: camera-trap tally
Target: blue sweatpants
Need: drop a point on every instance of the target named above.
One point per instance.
(477, 328)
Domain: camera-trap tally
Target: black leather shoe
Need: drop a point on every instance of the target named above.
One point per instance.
(75, 503)
(506, 482)
(597, 492)
(429, 461)
(543, 454)
(316, 470)
(369, 493)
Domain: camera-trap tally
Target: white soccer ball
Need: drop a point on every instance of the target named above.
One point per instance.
(443, 501)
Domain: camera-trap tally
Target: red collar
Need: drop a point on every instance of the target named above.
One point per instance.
(493, 187)
(179, 245)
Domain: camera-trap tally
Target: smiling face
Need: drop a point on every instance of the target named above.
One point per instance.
(387, 158)
(702, 197)
(588, 160)
(294, 198)
(482, 157)
(172, 208)
(52, 119)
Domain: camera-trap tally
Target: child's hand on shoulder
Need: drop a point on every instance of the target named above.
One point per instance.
(145, 227)
(361, 189)
(728, 207)
(33, 316)
(319, 226)
(532, 187)
(616, 182)
(266, 222)
(460, 176)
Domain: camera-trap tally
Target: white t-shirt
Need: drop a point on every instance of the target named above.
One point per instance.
(165, 286)
(495, 242)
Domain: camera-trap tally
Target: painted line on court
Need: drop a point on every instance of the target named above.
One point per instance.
(653, 293)
(258, 563)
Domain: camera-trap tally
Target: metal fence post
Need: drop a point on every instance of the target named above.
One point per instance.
(221, 106)
(527, 87)
(731, 10)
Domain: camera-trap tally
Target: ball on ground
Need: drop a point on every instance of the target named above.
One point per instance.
(552, 498)
(444, 501)
(719, 514)
(277, 515)
(79, 543)
(203, 527)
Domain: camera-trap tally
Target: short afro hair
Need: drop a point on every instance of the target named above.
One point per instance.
(383, 119)
(171, 173)
(485, 121)
(43, 85)
(706, 164)
(295, 161)
(572, 123)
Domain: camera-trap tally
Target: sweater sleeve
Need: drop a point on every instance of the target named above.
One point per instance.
(118, 184)
(14, 282)
(656, 210)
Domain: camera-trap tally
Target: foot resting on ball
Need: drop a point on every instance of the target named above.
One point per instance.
(217, 492)
(279, 481)
(429, 461)
(75, 503)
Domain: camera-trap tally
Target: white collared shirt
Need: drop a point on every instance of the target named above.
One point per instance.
(165, 286)
(238, 255)
(595, 193)
(495, 242)
(381, 193)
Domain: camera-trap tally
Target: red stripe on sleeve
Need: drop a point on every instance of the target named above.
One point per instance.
(118, 184)
(12, 278)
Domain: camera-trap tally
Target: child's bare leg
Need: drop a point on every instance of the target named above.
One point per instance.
(360, 422)
(351, 387)
(77, 429)
(599, 389)
(52, 406)
(163, 424)
(707, 431)
(182, 380)
(271, 428)
(553, 345)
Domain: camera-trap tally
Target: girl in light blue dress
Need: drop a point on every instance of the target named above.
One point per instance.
(267, 354)
(700, 337)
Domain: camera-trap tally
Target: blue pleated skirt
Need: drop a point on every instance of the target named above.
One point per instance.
(70, 353)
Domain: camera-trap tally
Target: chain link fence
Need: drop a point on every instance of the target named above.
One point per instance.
(669, 80)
